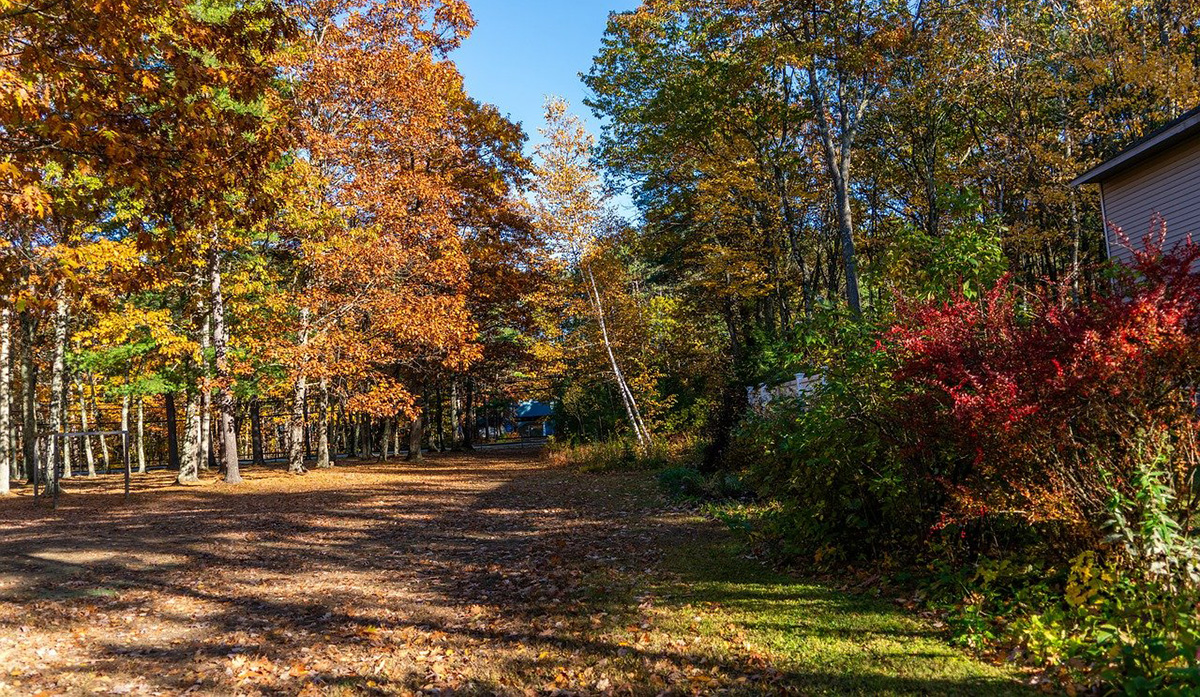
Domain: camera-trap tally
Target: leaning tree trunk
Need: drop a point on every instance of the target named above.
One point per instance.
(189, 465)
(227, 451)
(299, 394)
(631, 407)
(323, 459)
(5, 396)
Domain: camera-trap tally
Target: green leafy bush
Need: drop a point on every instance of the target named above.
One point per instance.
(687, 482)
(682, 481)
(833, 460)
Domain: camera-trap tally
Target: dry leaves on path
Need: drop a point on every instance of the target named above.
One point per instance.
(490, 573)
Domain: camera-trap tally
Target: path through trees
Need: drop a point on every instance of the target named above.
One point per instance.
(480, 574)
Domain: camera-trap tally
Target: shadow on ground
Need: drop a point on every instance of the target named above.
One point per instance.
(470, 574)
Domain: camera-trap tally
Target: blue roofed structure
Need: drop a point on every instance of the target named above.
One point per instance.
(535, 419)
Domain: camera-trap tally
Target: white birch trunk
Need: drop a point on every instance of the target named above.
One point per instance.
(127, 440)
(141, 435)
(57, 374)
(631, 408)
(6, 454)
(299, 394)
(206, 392)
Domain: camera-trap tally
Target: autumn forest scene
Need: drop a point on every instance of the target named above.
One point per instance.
(601, 347)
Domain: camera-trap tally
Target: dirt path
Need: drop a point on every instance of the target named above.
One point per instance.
(484, 574)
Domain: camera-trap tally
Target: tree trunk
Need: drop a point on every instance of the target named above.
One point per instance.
(125, 427)
(350, 427)
(308, 452)
(189, 466)
(29, 378)
(440, 416)
(257, 454)
(172, 432)
(415, 436)
(846, 235)
(299, 394)
(631, 407)
(6, 455)
(58, 372)
(141, 435)
(207, 456)
(837, 149)
(456, 423)
(227, 450)
(468, 432)
(68, 445)
(14, 411)
(385, 445)
(206, 450)
(89, 455)
(104, 453)
(323, 459)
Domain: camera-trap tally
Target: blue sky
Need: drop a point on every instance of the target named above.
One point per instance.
(523, 50)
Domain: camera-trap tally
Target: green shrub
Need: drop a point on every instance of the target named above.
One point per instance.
(834, 461)
(1092, 623)
(682, 481)
(687, 482)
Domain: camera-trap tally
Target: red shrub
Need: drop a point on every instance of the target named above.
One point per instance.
(1031, 404)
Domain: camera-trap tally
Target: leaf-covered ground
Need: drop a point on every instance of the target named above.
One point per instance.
(491, 573)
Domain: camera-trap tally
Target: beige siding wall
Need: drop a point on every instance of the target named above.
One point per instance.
(1168, 185)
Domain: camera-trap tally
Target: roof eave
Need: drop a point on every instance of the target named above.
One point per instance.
(1184, 128)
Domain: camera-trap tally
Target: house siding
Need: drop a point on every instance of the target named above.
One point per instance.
(1166, 185)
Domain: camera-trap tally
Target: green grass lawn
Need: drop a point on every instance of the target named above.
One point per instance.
(818, 640)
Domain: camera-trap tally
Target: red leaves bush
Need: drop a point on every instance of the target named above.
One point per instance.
(1031, 404)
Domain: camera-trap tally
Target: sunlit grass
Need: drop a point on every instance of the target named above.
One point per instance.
(825, 640)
